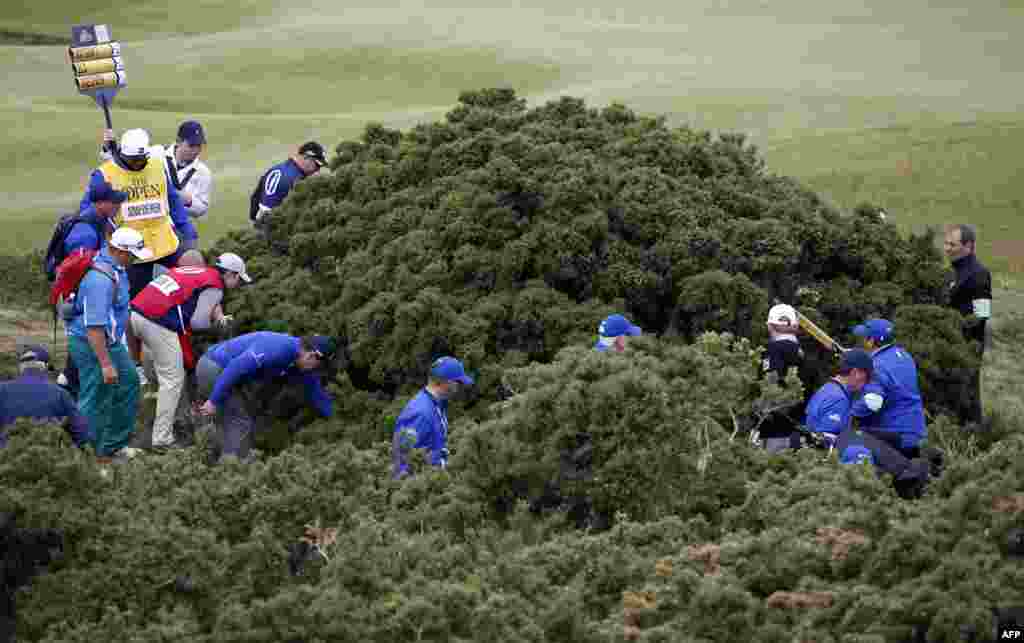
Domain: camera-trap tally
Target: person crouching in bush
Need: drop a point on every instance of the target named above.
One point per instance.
(782, 353)
(612, 334)
(227, 370)
(828, 412)
(423, 423)
(891, 407)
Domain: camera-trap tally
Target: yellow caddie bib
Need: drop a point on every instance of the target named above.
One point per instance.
(146, 209)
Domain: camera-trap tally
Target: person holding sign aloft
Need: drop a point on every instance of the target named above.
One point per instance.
(154, 207)
(190, 175)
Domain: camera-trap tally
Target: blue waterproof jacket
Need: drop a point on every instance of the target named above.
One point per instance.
(101, 302)
(34, 396)
(263, 356)
(891, 401)
(422, 424)
(828, 411)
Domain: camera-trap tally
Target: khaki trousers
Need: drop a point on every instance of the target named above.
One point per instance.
(162, 346)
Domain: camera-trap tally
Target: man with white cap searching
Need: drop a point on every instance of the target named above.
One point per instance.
(612, 333)
(164, 314)
(96, 327)
(782, 353)
(423, 423)
(153, 208)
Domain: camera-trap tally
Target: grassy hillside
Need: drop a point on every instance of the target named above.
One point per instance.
(861, 101)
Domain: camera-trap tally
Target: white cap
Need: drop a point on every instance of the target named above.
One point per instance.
(130, 240)
(135, 142)
(783, 315)
(233, 263)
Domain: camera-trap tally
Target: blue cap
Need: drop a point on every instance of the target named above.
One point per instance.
(324, 347)
(106, 192)
(855, 454)
(617, 326)
(879, 329)
(34, 353)
(855, 358)
(191, 132)
(451, 369)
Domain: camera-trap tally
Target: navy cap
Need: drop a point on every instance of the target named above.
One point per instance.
(451, 369)
(878, 329)
(106, 192)
(34, 353)
(617, 326)
(191, 132)
(324, 347)
(855, 358)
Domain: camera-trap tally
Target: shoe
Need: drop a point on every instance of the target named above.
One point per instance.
(143, 380)
(125, 454)
(160, 449)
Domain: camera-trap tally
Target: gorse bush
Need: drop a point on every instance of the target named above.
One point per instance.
(504, 235)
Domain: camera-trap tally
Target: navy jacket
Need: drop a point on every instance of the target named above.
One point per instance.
(34, 396)
(278, 183)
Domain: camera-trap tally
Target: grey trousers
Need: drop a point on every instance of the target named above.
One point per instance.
(234, 424)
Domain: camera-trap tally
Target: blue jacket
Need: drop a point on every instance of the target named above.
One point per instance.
(891, 401)
(263, 356)
(182, 224)
(33, 396)
(85, 234)
(829, 409)
(279, 182)
(101, 302)
(422, 424)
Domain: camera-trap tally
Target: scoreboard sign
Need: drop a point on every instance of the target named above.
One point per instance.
(97, 65)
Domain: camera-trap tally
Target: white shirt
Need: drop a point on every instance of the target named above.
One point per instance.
(199, 186)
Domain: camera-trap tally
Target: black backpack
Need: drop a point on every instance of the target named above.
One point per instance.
(254, 198)
(55, 251)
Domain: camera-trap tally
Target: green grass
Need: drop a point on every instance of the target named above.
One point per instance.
(924, 175)
(844, 96)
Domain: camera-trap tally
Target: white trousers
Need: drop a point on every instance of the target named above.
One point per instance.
(164, 349)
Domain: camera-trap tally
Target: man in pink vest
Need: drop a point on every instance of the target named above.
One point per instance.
(164, 314)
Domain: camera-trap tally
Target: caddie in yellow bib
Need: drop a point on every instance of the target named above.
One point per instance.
(146, 209)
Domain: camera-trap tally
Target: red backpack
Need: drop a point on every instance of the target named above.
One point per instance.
(70, 273)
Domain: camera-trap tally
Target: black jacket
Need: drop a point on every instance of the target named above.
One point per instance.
(780, 356)
(970, 281)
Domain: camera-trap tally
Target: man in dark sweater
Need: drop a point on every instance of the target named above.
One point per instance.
(970, 292)
(782, 353)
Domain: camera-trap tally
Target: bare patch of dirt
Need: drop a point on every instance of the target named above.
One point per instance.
(1009, 504)
(710, 554)
(841, 540)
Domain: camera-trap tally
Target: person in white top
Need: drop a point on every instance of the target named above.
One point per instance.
(191, 176)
